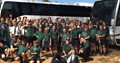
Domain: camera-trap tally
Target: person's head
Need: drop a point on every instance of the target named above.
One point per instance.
(37, 21)
(64, 30)
(74, 27)
(29, 22)
(104, 24)
(73, 51)
(46, 30)
(40, 29)
(47, 24)
(35, 43)
(100, 27)
(92, 25)
(14, 38)
(23, 42)
(67, 41)
(2, 19)
(49, 19)
(82, 40)
(53, 27)
(86, 28)
(14, 23)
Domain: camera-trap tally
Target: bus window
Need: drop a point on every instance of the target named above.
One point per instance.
(104, 10)
(7, 6)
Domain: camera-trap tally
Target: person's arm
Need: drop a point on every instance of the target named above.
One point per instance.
(87, 37)
(50, 41)
(86, 46)
(64, 52)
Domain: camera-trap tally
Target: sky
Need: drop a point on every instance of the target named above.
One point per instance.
(73, 1)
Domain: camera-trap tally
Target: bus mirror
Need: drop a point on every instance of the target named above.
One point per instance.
(112, 22)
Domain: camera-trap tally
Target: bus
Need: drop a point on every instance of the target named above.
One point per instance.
(109, 12)
(45, 9)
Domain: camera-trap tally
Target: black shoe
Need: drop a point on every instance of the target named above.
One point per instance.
(104, 54)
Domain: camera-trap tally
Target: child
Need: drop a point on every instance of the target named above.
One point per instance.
(36, 52)
(67, 47)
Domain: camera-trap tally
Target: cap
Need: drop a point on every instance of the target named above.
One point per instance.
(68, 39)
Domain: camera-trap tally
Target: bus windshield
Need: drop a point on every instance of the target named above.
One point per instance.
(25, 8)
(104, 10)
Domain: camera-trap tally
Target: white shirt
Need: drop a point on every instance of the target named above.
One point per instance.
(69, 59)
(12, 30)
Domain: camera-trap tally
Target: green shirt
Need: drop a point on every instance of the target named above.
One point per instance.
(22, 49)
(2, 49)
(85, 34)
(35, 49)
(65, 36)
(30, 31)
(40, 35)
(12, 43)
(67, 48)
(54, 34)
(86, 45)
(46, 37)
(93, 32)
(101, 32)
(75, 33)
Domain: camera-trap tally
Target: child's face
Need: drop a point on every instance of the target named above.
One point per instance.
(36, 44)
(14, 38)
(82, 40)
(64, 30)
(67, 42)
(40, 29)
(73, 51)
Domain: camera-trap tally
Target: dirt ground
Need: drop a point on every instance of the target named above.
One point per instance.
(112, 57)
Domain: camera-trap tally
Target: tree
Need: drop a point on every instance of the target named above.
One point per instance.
(46, 0)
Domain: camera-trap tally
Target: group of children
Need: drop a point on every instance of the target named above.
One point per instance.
(25, 40)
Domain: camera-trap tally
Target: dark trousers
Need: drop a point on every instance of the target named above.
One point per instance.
(57, 56)
(85, 54)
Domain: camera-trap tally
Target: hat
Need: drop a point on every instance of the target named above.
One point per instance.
(68, 39)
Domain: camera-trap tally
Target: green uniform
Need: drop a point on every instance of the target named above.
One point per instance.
(46, 37)
(54, 34)
(2, 49)
(85, 34)
(67, 48)
(21, 49)
(93, 32)
(101, 32)
(65, 36)
(35, 49)
(12, 43)
(86, 45)
(75, 33)
(40, 35)
(30, 31)
(80, 30)
(4, 32)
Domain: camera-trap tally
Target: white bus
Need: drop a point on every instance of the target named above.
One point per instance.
(45, 9)
(109, 11)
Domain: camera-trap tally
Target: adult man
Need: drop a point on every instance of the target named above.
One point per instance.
(72, 57)
(14, 29)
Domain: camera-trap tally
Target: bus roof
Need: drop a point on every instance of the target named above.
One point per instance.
(54, 3)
